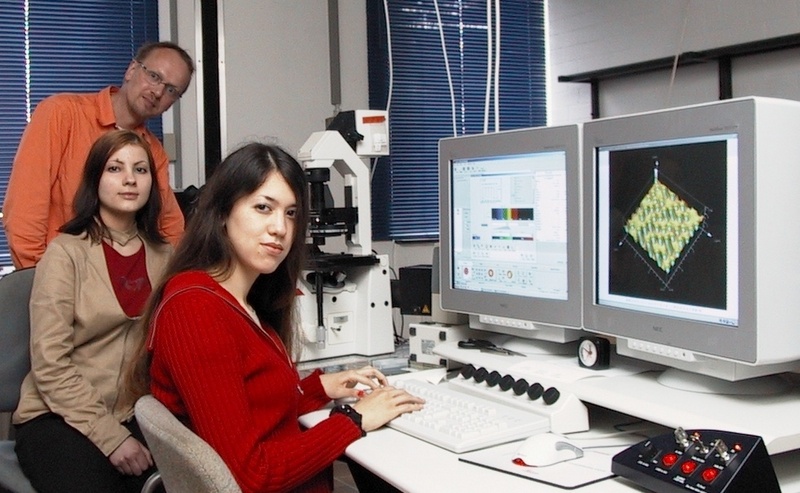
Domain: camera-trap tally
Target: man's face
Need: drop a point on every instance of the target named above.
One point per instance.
(153, 84)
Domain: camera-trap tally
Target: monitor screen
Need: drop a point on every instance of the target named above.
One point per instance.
(668, 228)
(685, 251)
(510, 232)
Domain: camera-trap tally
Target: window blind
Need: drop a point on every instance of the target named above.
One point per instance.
(408, 73)
(51, 46)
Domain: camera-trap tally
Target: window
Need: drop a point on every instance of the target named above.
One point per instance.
(50, 46)
(431, 96)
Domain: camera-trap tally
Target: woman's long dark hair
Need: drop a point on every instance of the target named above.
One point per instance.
(205, 246)
(87, 199)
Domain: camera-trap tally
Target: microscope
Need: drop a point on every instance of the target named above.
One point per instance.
(344, 297)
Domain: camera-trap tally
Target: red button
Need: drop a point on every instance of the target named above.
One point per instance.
(710, 475)
(669, 460)
(688, 467)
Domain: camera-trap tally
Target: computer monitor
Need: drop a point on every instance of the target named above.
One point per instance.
(510, 253)
(691, 239)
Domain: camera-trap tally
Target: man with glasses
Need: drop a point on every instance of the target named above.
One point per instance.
(49, 163)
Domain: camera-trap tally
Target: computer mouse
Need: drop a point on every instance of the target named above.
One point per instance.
(546, 449)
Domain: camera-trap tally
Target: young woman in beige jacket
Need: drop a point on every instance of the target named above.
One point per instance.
(73, 431)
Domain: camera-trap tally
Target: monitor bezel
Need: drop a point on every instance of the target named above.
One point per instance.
(550, 312)
(739, 343)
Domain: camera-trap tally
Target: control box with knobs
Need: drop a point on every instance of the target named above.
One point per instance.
(567, 414)
(699, 460)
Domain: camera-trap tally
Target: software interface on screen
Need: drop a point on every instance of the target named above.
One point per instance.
(667, 228)
(509, 224)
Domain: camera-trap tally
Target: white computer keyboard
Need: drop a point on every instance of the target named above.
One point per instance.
(461, 422)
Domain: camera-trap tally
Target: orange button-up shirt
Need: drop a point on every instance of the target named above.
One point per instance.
(48, 169)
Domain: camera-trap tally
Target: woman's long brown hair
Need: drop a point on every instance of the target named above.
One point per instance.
(205, 246)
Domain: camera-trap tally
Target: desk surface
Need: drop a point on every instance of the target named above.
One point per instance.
(416, 466)
(772, 417)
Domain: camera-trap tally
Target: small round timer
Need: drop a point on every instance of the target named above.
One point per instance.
(594, 353)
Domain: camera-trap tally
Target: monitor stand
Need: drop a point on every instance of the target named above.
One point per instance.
(695, 382)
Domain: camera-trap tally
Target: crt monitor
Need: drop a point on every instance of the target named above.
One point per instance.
(691, 237)
(510, 231)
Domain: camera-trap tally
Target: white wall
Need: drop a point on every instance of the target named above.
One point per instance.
(587, 35)
(275, 64)
(277, 68)
(276, 60)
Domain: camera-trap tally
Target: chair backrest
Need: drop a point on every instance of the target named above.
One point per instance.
(187, 463)
(15, 361)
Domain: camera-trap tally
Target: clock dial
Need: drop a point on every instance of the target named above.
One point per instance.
(588, 352)
(594, 353)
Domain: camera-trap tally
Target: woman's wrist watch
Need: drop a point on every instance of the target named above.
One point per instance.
(351, 413)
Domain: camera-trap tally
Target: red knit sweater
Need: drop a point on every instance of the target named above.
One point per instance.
(234, 386)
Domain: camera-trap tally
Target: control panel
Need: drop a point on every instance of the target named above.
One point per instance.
(699, 461)
(567, 414)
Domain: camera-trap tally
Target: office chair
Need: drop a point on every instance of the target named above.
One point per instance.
(15, 291)
(187, 463)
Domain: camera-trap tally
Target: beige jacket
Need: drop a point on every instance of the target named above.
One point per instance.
(81, 340)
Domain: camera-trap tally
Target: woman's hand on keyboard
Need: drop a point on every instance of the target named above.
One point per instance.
(384, 404)
(341, 385)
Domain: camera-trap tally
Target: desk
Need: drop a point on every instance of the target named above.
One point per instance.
(415, 466)
(418, 467)
(772, 417)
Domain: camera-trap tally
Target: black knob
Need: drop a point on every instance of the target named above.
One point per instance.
(551, 395)
(481, 374)
(506, 382)
(648, 451)
(535, 391)
(467, 371)
(493, 378)
(521, 386)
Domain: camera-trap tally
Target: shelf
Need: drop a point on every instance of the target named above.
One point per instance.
(722, 56)
(688, 58)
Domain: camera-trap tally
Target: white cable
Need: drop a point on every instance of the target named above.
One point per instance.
(27, 38)
(391, 75)
(447, 69)
(678, 53)
(497, 67)
(389, 55)
(489, 65)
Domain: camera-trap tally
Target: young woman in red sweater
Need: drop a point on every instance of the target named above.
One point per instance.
(221, 334)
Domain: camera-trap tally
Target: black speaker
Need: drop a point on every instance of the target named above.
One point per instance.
(412, 290)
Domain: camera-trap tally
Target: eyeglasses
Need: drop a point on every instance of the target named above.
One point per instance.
(155, 79)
